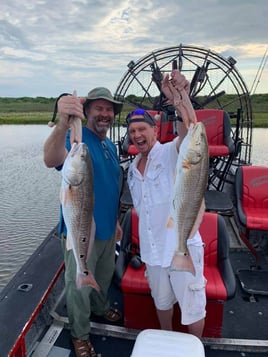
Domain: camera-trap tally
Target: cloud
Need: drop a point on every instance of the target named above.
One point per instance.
(51, 47)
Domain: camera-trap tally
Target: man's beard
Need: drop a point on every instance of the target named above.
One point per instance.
(101, 129)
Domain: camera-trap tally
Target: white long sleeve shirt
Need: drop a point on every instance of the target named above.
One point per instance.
(151, 195)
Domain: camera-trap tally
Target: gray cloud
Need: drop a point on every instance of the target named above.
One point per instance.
(47, 47)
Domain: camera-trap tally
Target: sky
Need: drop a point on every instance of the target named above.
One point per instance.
(55, 46)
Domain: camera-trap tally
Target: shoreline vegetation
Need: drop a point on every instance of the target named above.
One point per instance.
(39, 110)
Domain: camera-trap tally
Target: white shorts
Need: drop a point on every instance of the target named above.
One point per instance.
(169, 286)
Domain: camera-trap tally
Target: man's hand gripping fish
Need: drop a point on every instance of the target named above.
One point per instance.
(74, 123)
(77, 207)
(191, 175)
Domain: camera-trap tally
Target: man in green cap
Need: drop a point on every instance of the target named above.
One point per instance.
(99, 108)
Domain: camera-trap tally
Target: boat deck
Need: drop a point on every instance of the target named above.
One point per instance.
(245, 323)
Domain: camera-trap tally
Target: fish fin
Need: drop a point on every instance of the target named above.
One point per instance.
(186, 164)
(68, 243)
(65, 194)
(182, 262)
(62, 197)
(86, 279)
(170, 222)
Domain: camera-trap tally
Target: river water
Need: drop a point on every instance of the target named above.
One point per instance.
(29, 192)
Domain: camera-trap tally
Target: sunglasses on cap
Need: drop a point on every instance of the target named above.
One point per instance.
(147, 118)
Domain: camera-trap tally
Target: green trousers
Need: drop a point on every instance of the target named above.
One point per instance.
(81, 302)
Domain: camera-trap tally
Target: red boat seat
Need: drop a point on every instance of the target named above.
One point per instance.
(166, 131)
(217, 267)
(218, 129)
(217, 270)
(222, 148)
(251, 188)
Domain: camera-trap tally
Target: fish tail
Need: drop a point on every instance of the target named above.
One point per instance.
(86, 279)
(182, 262)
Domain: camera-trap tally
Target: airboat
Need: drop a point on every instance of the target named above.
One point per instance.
(33, 314)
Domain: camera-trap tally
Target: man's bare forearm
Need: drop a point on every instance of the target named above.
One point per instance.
(54, 147)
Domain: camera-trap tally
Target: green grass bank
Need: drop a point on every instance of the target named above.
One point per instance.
(39, 110)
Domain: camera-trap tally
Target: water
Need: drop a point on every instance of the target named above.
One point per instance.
(29, 195)
(260, 147)
(29, 192)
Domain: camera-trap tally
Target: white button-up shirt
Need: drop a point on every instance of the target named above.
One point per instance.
(151, 195)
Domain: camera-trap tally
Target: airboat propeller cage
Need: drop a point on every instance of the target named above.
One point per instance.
(215, 83)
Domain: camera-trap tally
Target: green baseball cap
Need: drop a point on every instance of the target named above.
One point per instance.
(103, 93)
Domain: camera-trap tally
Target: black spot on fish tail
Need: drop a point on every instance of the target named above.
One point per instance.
(81, 256)
(83, 239)
(85, 272)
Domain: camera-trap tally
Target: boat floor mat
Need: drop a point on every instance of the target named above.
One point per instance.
(245, 316)
(218, 201)
(103, 345)
(253, 281)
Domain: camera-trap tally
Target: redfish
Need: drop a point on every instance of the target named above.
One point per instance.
(188, 203)
(77, 199)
